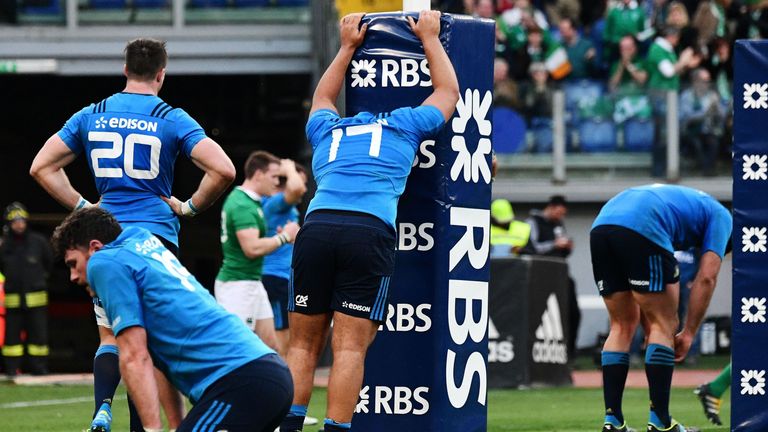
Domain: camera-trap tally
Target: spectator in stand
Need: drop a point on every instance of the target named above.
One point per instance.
(627, 83)
(458, 6)
(710, 20)
(557, 10)
(628, 76)
(505, 92)
(664, 70)
(537, 94)
(580, 51)
(753, 20)
(625, 18)
(484, 9)
(678, 17)
(720, 67)
(656, 12)
(701, 120)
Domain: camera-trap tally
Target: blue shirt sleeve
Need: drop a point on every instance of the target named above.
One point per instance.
(188, 131)
(275, 204)
(718, 232)
(319, 123)
(418, 123)
(115, 285)
(70, 133)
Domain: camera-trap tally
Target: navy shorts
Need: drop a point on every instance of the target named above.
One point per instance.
(623, 260)
(277, 291)
(252, 398)
(342, 261)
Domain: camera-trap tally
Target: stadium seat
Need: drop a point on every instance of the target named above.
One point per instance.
(251, 3)
(508, 131)
(541, 128)
(208, 3)
(638, 135)
(581, 92)
(107, 4)
(42, 7)
(597, 135)
(150, 3)
(292, 2)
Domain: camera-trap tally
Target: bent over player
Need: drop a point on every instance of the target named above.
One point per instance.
(131, 141)
(344, 254)
(632, 242)
(162, 316)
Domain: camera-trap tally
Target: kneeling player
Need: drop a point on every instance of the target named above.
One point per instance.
(161, 315)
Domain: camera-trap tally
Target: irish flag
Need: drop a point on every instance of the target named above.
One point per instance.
(556, 61)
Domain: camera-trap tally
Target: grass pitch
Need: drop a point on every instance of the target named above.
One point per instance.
(69, 408)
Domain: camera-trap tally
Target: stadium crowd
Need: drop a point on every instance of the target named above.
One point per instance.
(615, 60)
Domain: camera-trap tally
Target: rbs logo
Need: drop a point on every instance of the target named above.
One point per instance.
(398, 400)
(415, 237)
(393, 73)
(404, 317)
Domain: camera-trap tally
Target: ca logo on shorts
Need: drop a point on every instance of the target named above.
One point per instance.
(301, 300)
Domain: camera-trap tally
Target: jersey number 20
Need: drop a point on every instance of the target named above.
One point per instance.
(128, 160)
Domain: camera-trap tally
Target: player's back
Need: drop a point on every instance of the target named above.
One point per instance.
(674, 217)
(190, 337)
(131, 142)
(361, 163)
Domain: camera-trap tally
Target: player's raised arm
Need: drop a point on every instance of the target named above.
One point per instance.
(48, 170)
(444, 82)
(219, 174)
(329, 86)
(294, 183)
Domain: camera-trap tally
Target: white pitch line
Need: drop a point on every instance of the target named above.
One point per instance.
(50, 402)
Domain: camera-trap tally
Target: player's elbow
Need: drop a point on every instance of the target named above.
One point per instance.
(227, 172)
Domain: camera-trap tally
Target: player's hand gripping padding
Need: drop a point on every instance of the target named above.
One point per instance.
(352, 34)
(427, 26)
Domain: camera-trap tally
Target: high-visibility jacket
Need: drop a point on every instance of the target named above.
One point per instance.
(2, 309)
(516, 236)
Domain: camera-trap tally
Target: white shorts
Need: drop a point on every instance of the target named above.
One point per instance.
(246, 299)
(101, 317)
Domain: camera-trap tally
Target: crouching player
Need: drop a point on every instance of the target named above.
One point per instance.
(162, 316)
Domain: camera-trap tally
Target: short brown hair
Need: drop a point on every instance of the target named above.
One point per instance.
(259, 160)
(145, 57)
(82, 226)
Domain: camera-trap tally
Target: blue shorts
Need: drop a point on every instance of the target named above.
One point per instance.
(277, 291)
(624, 260)
(342, 261)
(252, 398)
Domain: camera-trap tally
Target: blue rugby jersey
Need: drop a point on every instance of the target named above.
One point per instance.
(191, 338)
(131, 142)
(361, 163)
(673, 217)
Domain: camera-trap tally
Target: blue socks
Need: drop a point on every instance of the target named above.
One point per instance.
(332, 426)
(294, 421)
(615, 367)
(659, 365)
(106, 375)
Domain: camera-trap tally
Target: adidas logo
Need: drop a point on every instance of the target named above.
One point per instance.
(549, 346)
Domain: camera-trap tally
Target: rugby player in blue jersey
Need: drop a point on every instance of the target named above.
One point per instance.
(632, 242)
(279, 209)
(162, 316)
(131, 141)
(344, 254)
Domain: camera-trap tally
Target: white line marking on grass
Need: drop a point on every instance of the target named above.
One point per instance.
(49, 402)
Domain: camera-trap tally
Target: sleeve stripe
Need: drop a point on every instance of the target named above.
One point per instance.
(154, 111)
(164, 112)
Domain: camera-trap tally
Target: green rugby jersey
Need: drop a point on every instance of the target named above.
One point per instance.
(242, 210)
